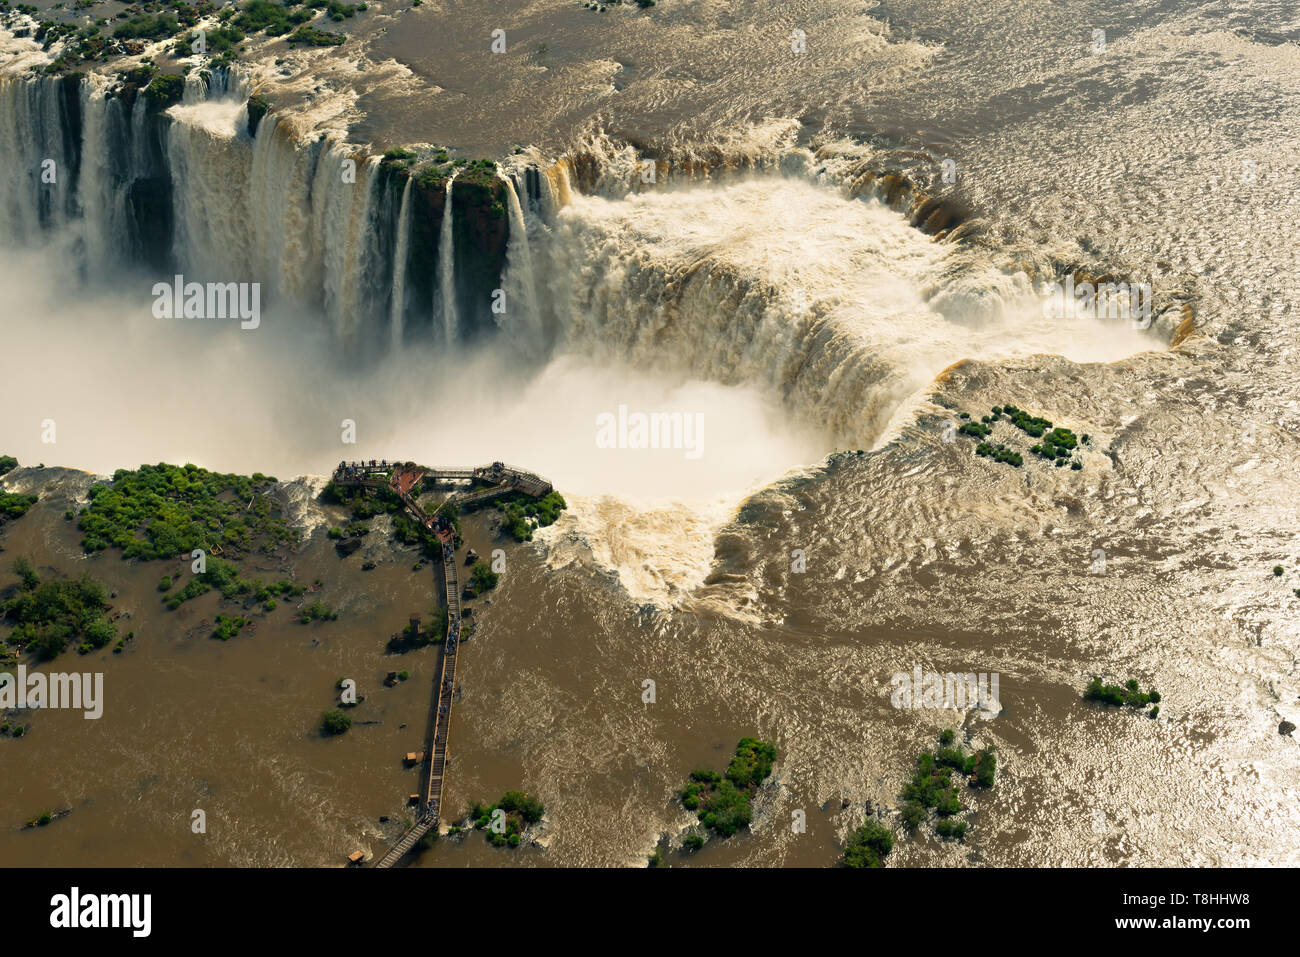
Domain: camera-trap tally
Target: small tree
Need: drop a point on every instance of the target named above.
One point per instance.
(24, 569)
(335, 722)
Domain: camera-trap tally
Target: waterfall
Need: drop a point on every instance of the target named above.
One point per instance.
(519, 283)
(398, 298)
(447, 271)
(102, 204)
(187, 190)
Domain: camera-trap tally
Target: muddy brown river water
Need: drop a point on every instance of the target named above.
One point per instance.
(918, 553)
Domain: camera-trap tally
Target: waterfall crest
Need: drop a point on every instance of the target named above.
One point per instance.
(447, 271)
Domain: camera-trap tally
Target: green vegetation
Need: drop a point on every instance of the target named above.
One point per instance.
(314, 37)
(226, 628)
(434, 633)
(1057, 445)
(868, 846)
(165, 583)
(161, 511)
(50, 614)
(316, 611)
(932, 786)
(147, 26)
(13, 505)
(224, 577)
(7, 464)
(335, 722)
(520, 508)
(999, 453)
(722, 803)
(519, 810)
(484, 577)
(1129, 694)
(1031, 425)
(1277, 571)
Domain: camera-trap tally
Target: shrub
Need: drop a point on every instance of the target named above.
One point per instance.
(949, 829)
(226, 628)
(484, 577)
(868, 845)
(335, 722)
(315, 38)
(147, 26)
(13, 505)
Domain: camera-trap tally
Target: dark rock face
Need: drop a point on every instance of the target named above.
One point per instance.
(1286, 727)
(257, 108)
(481, 231)
(428, 199)
(347, 546)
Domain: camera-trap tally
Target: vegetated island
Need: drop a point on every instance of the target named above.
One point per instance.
(722, 801)
(1057, 446)
(505, 822)
(166, 511)
(868, 846)
(932, 786)
(1127, 695)
(49, 615)
(12, 504)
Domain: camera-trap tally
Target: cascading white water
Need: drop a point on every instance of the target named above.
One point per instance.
(399, 266)
(519, 284)
(36, 180)
(103, 225)
(836, 305)
(285, 211)
(447, 271)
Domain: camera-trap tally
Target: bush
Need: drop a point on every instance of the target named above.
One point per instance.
(226, 628)
(316, 611)
(13, 505)
(722, 803)
(147, 26)
(752, 763)
(949, 829)
(484, 577)
(7, 464)
(335, 722)
(1115, 695)
(26, 572)
(868, 845)
(315, 38)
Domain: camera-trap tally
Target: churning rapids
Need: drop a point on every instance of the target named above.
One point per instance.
(791, 317)
(826, 322)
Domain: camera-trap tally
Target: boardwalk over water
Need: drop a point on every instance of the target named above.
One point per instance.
(484, 483)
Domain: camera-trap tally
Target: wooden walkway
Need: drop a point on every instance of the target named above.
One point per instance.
(486, 482)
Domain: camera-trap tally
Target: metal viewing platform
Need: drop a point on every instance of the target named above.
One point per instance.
(484, 483)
